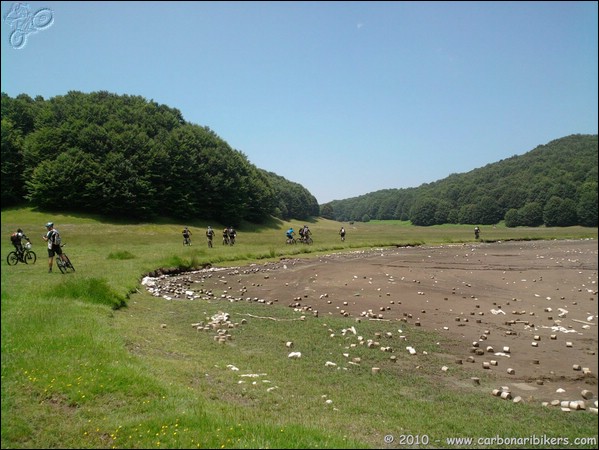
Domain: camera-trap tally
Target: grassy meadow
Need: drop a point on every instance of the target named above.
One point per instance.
(91, 360)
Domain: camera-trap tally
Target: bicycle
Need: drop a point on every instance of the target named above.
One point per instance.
(290, 240)
(306, 240)
(187, 241)
(26, 256)
(64, 264)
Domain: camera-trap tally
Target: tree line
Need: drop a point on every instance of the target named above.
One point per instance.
(552, 185)
(125, 156)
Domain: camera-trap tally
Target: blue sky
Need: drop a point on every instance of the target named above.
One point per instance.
(344, 98)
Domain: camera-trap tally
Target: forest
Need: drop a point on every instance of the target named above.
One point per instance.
(553, 185)
(125, 156)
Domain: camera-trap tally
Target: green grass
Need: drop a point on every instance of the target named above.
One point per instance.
(90, 360)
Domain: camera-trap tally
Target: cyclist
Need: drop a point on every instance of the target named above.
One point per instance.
(225, 236)
(186, 236)
(476, 232)
(209, 235)
(52, 237)
(342, 233)
(232, 235)
(16, 239)
(290, 234)
(307, 232)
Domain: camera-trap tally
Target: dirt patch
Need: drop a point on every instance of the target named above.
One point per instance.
(526, 306)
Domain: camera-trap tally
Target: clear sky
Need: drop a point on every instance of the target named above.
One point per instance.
(344, 98)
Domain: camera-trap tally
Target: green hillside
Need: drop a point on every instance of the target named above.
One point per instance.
(125, 156)
(553, 185)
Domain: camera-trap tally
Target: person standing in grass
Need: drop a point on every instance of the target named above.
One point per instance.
(186, 236)
(52, 237)
(225, 236)
(209, 235)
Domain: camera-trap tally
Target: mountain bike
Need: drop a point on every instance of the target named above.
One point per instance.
(186, 240)
(64, 264)
(306, 240)
(27, 256)
(290, 240)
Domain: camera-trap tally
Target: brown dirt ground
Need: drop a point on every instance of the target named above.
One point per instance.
(516, 294)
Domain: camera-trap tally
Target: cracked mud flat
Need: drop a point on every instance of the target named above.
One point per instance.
(539, 298)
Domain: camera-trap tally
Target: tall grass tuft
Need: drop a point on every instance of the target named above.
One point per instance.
(91, 290)
(122, 255)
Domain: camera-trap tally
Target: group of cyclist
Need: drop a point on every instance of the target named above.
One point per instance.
(229, 235)
(52, 237)
(305, 235)
(304, 232)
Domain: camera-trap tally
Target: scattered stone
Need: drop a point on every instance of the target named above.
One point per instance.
(587, 395)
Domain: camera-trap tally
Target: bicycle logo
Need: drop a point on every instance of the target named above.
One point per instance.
(24, 22)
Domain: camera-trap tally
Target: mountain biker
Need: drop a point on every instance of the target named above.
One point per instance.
(290, 233)
(209, 235)
(16, 239)
(476, 232)
(232, 235)
(52, 237)
(306, 232)
(186, 233)
(342, 233)
(225, 236)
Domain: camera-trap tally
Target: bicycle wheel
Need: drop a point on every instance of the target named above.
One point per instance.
(30, 257)
(12, 259)
(60, 265)
(69, 264)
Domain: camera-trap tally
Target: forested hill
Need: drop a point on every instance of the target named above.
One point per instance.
(554, 184)
(125, 156)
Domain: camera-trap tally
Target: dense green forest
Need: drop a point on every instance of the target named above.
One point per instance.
(128, 157)
(553, 185)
